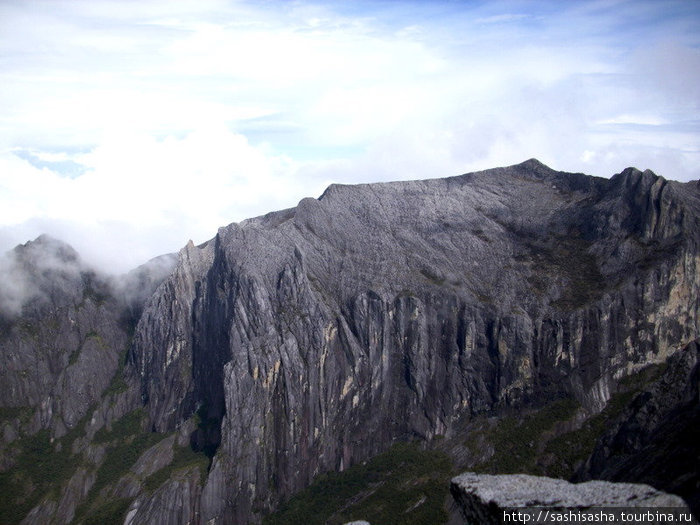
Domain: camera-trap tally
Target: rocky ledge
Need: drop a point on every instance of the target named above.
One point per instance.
(492, 499)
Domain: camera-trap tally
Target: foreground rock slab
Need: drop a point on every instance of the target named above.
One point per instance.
(485, 498)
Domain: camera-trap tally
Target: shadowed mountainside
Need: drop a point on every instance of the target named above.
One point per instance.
(311, 339)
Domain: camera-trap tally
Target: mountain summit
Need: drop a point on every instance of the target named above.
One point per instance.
(311, 339)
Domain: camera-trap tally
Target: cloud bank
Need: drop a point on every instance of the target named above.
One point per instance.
(33, 271)
(128, 128)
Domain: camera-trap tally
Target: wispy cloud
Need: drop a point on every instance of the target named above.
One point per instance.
(34, 271)
(502, 18)
(128, 128)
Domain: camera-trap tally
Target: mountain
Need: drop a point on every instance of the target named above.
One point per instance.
(63, 350)
(311, 339)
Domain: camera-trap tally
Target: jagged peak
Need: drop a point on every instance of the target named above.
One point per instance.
(634, 177)
(331, 189)
(630, 171)
(43, 271)
(534, 164)
(636, 172)
(46, 245)
(47, 240)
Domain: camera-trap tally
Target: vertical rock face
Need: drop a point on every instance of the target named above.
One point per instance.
(164, 339)
(64, 330)
(64, 336)
(657, 439)
(61, 334)
(311, 338)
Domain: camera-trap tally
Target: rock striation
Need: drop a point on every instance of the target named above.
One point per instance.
(64, 330)
(485, 498)
(312, 338)
(656, 440)
(61, 335)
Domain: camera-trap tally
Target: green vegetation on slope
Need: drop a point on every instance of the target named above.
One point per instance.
(183, 458)
(23, 413)
(126, 442)
(405, 485)
(42, 467)
(564, 453)
(517, 440)
(531, 443)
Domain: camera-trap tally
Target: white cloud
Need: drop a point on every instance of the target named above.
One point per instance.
(183, 187)
(185, 116)
(641, 119)
(503, 18)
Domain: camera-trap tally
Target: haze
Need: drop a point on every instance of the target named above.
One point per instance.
(127, 128)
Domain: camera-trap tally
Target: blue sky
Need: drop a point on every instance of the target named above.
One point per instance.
(127, 128)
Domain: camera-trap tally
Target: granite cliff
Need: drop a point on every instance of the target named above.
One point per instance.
(655, 439)
(311, 339)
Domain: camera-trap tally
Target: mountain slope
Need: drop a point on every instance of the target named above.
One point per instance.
(64, 334)
(312, 338)
(656, 440)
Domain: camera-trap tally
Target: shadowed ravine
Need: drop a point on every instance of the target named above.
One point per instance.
(312, 339)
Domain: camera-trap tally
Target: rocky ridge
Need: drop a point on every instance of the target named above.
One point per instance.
(62, 335)
(327, 331)
(656, 438)
(313, 338)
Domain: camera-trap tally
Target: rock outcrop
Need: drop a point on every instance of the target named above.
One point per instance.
(61, 335)
(64, 331)
(64, 334)
(495, 499)
(656, 440)
(312, 338)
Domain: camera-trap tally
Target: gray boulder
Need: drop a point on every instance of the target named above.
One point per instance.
(486, 498)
